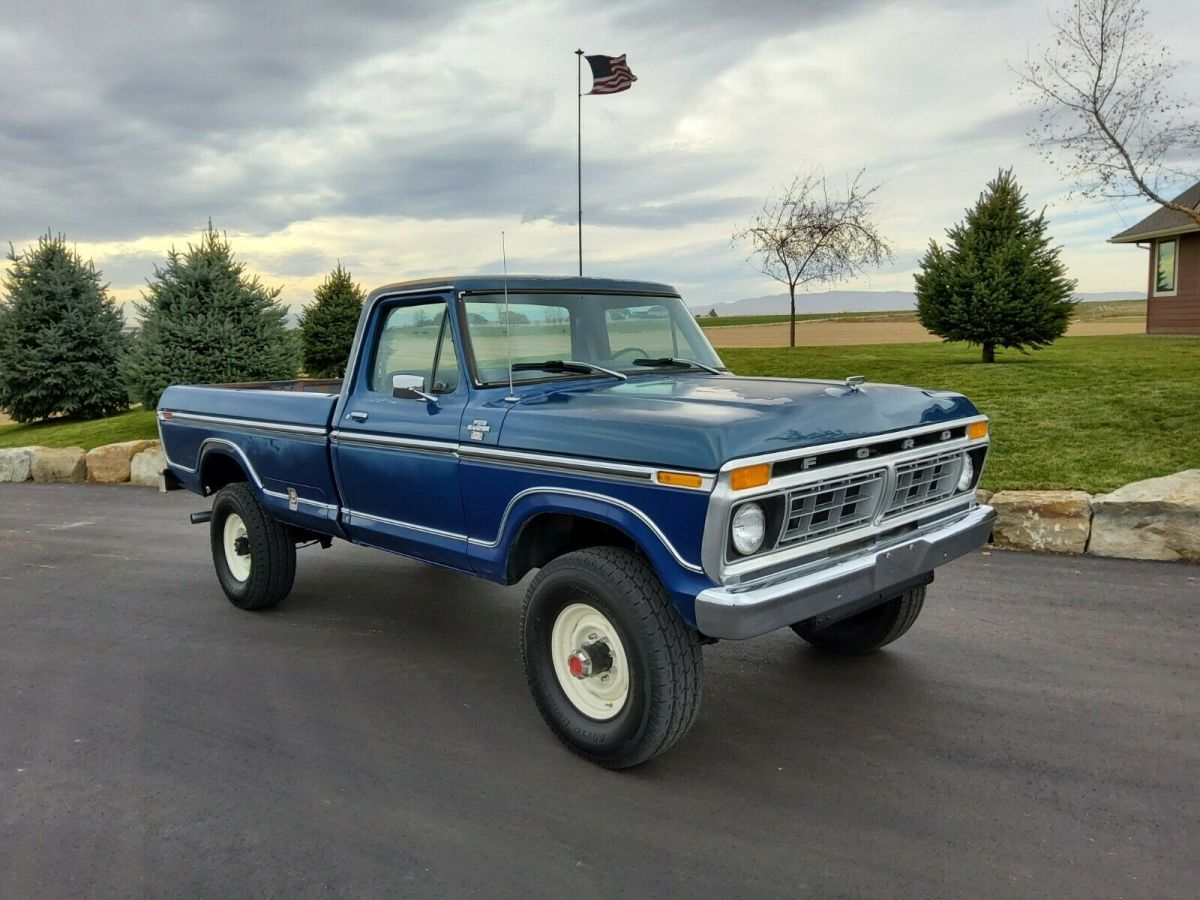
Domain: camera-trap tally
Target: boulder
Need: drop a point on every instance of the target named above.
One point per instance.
(53, 464)
(15, 463)
(982, 496)
(145, 466)
(110, 464)
(1158, 518)
(1053, 521)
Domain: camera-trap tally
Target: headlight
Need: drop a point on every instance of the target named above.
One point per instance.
(968, 474)
(749, 528)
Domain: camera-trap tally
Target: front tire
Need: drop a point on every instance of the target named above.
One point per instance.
(613, 669)
(868, 630)
(254, 555)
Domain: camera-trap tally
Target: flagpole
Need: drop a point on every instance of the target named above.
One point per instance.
(579, 146)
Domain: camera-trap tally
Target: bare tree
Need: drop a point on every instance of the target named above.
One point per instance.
(1107, 119)
(807, 235)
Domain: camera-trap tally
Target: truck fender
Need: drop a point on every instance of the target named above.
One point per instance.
(683, 578)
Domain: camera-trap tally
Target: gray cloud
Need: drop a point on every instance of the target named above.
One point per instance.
(131, 118)
(107, 114)
(126, 119)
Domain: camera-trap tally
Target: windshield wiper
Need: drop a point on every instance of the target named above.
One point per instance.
(565, 365)
(674, 361)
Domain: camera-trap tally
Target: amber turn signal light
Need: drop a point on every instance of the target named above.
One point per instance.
(680, 479)
(977, 430)
(750, 477)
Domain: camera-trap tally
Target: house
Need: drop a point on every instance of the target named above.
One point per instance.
(1173, 238)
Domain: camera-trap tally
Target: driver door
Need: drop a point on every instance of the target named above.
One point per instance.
(397, 455)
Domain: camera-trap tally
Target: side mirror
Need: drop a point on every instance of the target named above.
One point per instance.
(411, 387)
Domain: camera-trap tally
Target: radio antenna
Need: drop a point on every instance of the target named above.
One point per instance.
(511, 398)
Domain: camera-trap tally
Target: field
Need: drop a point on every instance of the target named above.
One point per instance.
(1091, 413)
(835, 332)
(1084, 312)
(897, 327)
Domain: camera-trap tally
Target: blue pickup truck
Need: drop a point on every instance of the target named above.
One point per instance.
(585, 428)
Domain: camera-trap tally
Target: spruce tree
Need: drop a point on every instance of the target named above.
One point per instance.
(998, 282)
(60, 337)
(205, 321)
(327, 324)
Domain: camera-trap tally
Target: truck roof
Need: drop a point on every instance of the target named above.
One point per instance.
(519, 283)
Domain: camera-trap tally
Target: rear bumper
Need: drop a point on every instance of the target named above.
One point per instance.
(747, 610)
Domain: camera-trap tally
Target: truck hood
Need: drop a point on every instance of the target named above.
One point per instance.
(702, 422)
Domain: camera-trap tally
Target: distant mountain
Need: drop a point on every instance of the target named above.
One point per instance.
(854, 301)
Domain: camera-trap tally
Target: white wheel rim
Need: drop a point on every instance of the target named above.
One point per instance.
(601, 695)
(239, 565)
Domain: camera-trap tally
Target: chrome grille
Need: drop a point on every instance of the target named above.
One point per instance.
(830, 507)
(924, 481)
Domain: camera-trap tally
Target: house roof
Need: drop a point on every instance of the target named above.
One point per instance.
(1163, 222)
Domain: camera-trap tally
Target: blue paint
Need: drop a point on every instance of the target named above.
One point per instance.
(413, 492)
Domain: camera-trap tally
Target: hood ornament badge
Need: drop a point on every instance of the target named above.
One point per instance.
(853, 382)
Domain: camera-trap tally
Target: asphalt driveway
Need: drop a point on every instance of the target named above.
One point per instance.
(1036, 734)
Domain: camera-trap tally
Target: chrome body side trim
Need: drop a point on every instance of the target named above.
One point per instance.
(396, 523)
(251, 424)
(387, 442)
(250, 470)
(303, 501)
(588, 495)
(575, 465)
(846, 585)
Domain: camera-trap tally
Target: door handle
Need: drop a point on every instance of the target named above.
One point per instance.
(358, 416)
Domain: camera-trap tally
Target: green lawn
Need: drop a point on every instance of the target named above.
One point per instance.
(131, 426)
(1091, 412)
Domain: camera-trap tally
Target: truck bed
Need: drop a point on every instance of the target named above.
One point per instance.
(301, 403)
(277, 431)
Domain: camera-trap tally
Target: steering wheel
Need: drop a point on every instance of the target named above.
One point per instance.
(638, 351)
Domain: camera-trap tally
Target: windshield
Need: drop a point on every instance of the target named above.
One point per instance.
(610, 331)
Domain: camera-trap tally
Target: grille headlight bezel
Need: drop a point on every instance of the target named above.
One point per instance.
(967, 477)
(748, 529)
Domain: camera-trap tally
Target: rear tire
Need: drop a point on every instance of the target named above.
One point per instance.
(254, 555)
(644, 692)
(868, 630)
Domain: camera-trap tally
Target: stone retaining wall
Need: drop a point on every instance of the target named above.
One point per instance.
(133, 462)
(1158, 518)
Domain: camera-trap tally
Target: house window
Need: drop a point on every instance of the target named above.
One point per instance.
(1166, 254)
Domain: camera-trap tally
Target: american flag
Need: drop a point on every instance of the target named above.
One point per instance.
(610, 74)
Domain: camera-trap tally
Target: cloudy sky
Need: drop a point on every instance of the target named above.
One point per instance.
(402, 136)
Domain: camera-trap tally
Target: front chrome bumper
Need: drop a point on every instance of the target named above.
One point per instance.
(747, 610)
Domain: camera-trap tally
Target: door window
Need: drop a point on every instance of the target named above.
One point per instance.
(416, 340)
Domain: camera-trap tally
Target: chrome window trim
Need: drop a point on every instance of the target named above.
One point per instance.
(571, 492)
(723, 498)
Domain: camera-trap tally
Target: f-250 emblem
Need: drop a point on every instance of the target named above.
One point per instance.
(478, 429)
